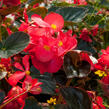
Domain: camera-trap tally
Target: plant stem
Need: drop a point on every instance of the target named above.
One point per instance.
(12, 99)
(60, 96)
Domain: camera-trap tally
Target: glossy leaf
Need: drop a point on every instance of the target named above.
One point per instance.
(104, 4)
(76, 98)
(31, 103)
(14, 44)
(4, 32)
(49, 85)
(85, 46)
(74, 66)
(2, 95)
(60, 77)
(42, 11)
(95, 19)
(71, 14)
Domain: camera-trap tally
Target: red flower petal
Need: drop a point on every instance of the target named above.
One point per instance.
(36, 90)
(26, 62)
(13, 79)
(18, 66)
(52, 66)
(56, 20)
(39, 21)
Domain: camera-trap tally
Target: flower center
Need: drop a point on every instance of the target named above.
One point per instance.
(100, 73)
(27, 72)
(46, 47)
(60, 43)
(53, 26)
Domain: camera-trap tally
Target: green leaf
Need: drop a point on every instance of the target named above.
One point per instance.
(8, 10)
(42, 11)
(70, 14)
(91, 9)
(2, 96)
(4, 33)
(74, 67)
(85, 46)
(31, 103)
(95, 19)
(76, 98)
(49, 85)
(104, 4)
(60, 77)
(106, 39)
(14, 44)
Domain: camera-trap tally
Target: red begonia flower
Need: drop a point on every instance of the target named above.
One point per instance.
(103, 61)
(80, 2)
(104, 58)
(19, 102)
(85, 35)
(23, 27)
(105, 85)
(45, 49)
(65, 42)
(85, 57)
(95, 30)
(32, 85)
(55, 20)
(51, 66)
(18, 75)
(98, 104)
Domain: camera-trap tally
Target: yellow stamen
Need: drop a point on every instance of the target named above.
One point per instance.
(27, 72)
(53, 26)
(60, 43)
(38, 89)
(46, 47)
(100, 73)
(52, 101)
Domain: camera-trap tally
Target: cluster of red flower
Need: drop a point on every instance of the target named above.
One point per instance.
(48, 42)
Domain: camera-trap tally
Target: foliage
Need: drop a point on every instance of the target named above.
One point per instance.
(54, 54)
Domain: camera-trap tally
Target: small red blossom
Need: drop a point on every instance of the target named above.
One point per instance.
(6, 63)
(32, 85)
(98, 103)
(84, 56)
(18, 75)
(80, 2)
(104, 58)
(19, 102)
(65, 42)
(103, 61)
(95, 30)
(85, 35)
(100, 65)
(105, 85)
